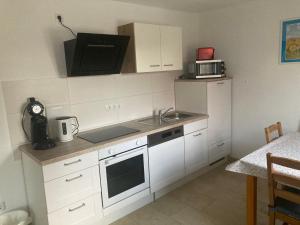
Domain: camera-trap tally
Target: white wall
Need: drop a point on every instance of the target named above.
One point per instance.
(11, 184)
(32, 64)
(247, 37)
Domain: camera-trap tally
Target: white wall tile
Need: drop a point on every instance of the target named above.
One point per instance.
(163, 81)
(135, 107)
(52, 113)
(17, 135)
(163, 100)
(130, 85)
(53, 91)
(93, 88)
(94, 114)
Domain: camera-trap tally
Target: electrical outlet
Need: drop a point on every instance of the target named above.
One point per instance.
(2, 206)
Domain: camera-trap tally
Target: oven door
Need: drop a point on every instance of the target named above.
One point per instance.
(124, 175)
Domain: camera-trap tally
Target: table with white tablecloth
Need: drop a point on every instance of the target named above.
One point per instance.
(255, 165)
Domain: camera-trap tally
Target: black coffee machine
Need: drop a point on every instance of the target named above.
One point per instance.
(38, 126)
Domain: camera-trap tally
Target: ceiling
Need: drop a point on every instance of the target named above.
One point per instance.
(187, 5)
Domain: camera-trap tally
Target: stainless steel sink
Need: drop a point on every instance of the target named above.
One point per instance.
(176, 116)
(152, 121)
(167, 119)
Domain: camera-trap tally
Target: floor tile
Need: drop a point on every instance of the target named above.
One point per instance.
(150, 216)
(168, 205)
(190, 216)
(215, 198)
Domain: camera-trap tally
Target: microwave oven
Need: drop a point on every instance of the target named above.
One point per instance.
(207, 69)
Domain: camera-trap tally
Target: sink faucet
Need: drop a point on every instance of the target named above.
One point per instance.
(162, 114)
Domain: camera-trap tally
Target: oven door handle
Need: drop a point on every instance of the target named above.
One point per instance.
(124, 156)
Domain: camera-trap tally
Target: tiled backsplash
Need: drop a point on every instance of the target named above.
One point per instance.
(96, 100)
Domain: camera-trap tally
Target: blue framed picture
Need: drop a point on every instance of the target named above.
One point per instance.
(290, 49)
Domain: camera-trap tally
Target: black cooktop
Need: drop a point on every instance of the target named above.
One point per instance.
(96, 136)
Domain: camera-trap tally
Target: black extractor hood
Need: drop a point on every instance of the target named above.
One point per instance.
(95, 54)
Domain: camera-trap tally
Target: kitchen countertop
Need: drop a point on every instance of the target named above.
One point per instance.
(203, 80)
(79, 146)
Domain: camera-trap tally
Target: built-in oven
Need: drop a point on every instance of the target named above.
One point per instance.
(124, 171)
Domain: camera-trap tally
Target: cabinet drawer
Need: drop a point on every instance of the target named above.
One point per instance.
(219, 150)
(194, 126)
(68, 166)
(78, 212)
(68, 189)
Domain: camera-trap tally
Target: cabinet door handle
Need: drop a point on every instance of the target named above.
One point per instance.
(219, 83)
(76, 208)
(196, 135)
(154, 65)
(70, 163)
(74, 178)
(220, 145)
(168, 65)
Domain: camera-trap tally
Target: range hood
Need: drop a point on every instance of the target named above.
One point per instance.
(95, 54)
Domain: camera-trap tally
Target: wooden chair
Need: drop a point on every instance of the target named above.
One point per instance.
(271, 129)
(284, 193)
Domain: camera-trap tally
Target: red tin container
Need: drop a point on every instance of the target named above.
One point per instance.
(205, 53)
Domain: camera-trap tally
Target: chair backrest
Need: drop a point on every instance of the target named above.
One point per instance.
(278, 180)
(271, 129)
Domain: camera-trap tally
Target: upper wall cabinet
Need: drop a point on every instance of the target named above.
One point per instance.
(152, 48)
(171, 48)
(147, 47)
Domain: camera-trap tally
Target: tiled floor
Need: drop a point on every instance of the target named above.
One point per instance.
(216, 198)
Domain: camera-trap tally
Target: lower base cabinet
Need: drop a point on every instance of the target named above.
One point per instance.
(219, 150)
(77, 213)
(196, 151)
(68, 189)
(166, 163)
(68, 192)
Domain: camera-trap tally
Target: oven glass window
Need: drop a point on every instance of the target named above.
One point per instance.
(125, 175)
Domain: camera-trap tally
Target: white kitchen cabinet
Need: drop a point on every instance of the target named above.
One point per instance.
(195, 126)
(78, 212)
(65, 192)
(212, 98)
(166, 163)
(196, 151)
(171, 48)
(68, 189)
(68, 166)
(219, 110)
(147, 42)
(219, 150)
(152, 48)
